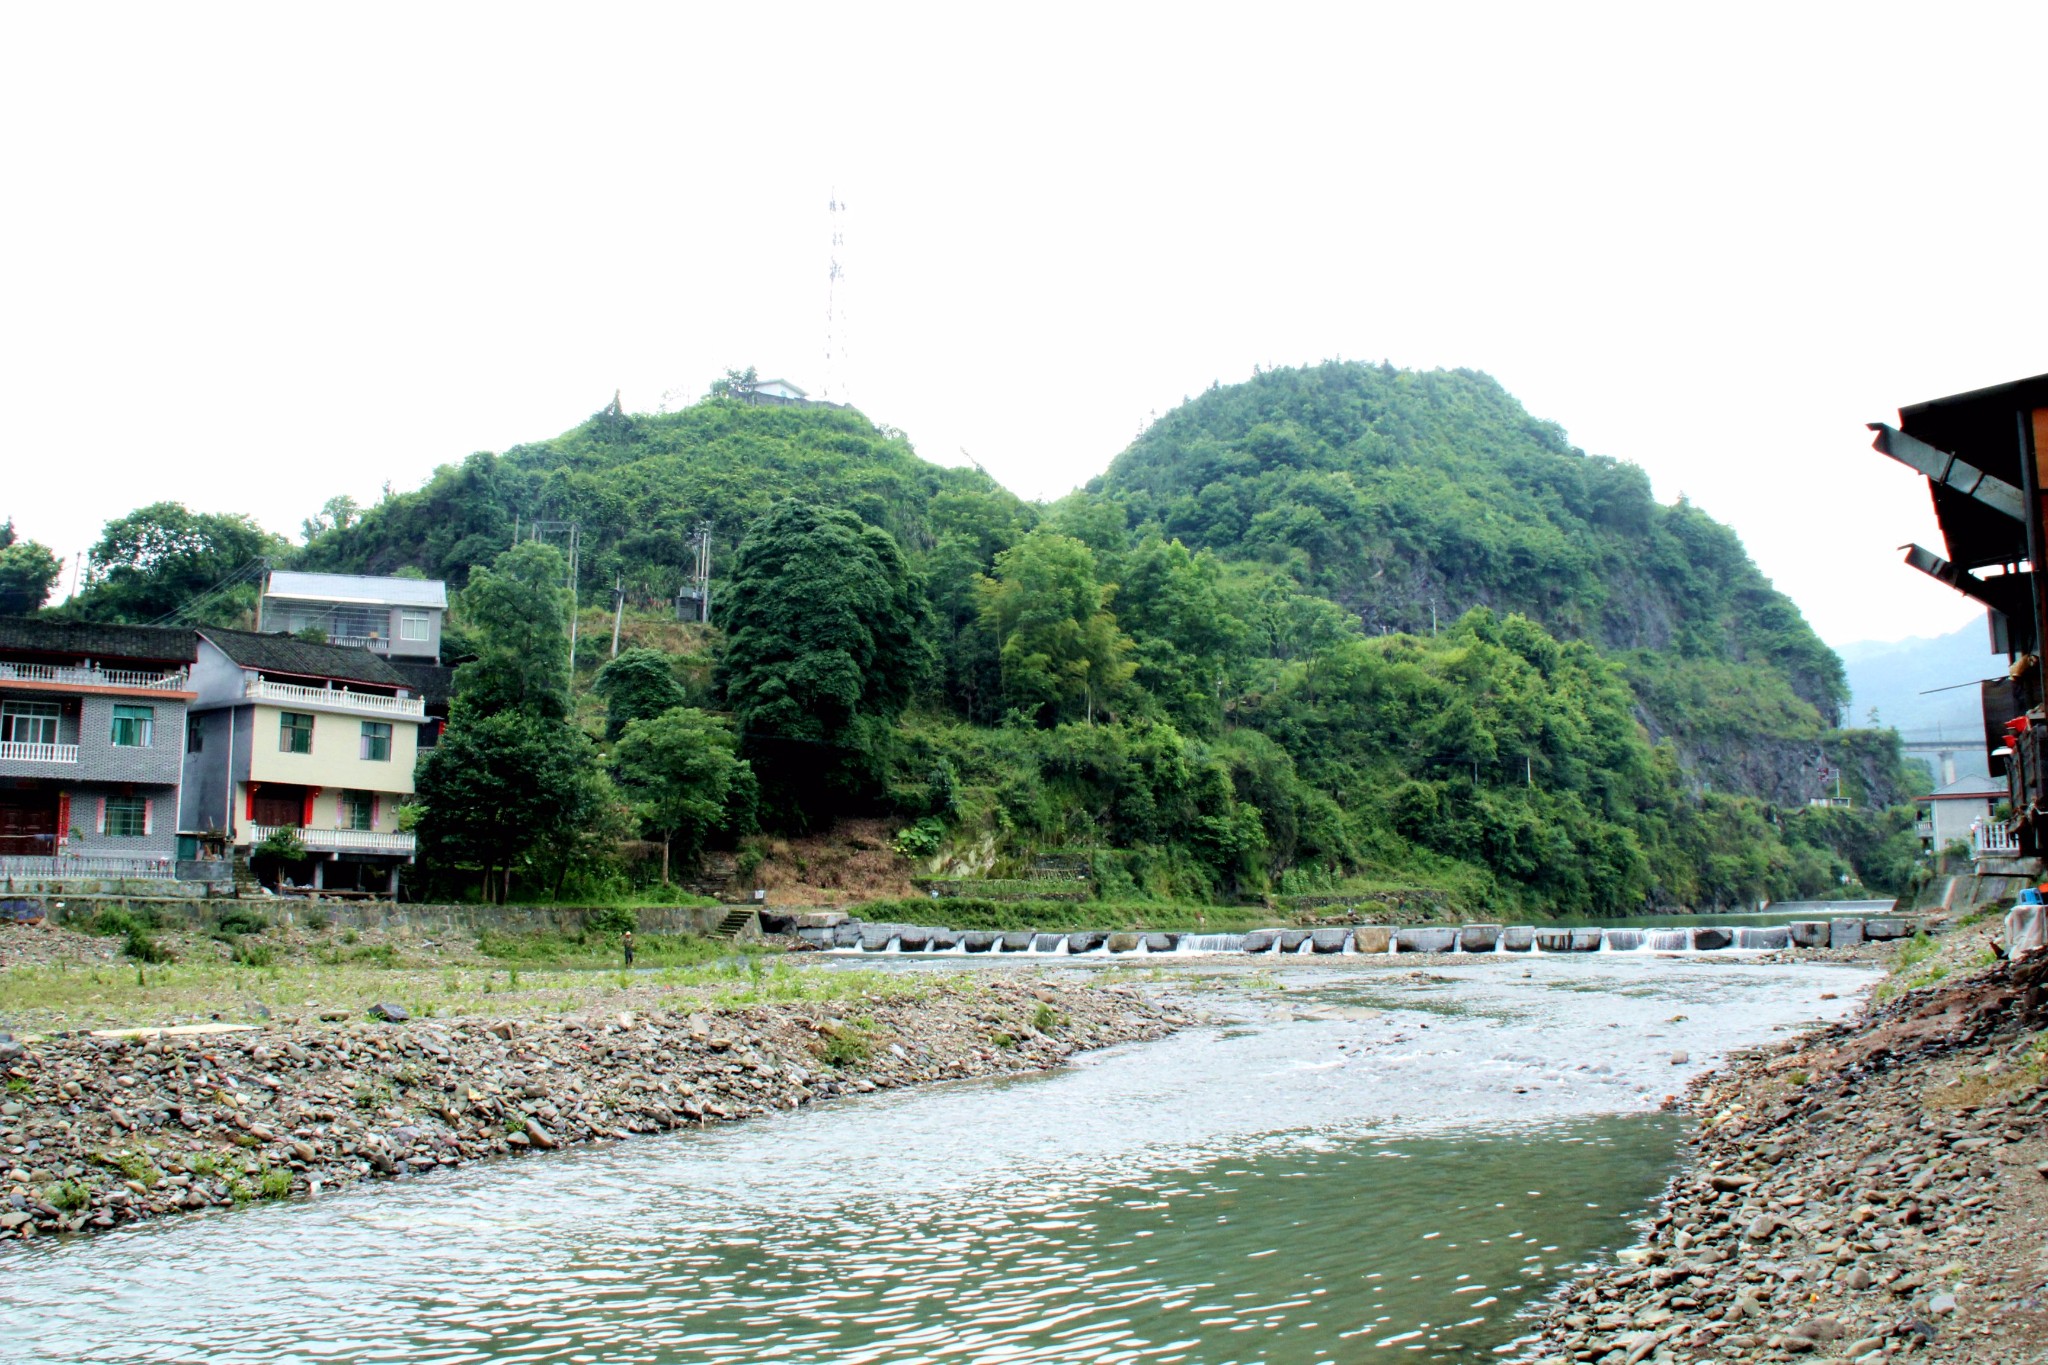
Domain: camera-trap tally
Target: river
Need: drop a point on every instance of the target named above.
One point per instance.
(1350, 1160)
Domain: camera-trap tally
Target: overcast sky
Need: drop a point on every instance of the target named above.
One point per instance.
(256, 257)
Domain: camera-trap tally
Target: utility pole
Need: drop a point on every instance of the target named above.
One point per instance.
(618, 610)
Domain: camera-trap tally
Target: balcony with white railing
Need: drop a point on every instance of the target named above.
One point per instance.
(106, 866)
(80, 675)
(14, 751)
(394, 844)
(334, 699)
(1993, 839)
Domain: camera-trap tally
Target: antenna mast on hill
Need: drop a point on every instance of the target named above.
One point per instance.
(835, 315)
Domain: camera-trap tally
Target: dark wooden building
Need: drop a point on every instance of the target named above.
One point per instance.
(1981, 454)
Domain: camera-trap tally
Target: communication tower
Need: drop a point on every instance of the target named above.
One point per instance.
(835, 304)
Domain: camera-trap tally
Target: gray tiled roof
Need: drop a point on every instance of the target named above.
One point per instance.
(349, 587)
(281, 653)
(435, 683)
(93, 640)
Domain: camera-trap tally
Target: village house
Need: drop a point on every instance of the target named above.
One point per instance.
(316, 738)
(1959, 812)
(398, 618)
(92, 729)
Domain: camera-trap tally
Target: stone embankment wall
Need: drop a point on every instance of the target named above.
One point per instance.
(105, 1129)
(402, 919)
(847, 933)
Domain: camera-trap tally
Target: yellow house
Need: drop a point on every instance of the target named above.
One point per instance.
(316, 738)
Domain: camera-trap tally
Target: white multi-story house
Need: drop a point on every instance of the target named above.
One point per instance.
(321, 739)
(399, 618)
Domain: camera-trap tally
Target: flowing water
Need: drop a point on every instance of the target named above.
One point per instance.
(1352, 1160)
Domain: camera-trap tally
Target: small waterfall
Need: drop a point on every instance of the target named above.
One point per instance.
(1306, 946)
(1621, 940)
(1212, 943)
(1670, 940)
(894, 945)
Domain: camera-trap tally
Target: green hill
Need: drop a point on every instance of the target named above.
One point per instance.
(1332, 631)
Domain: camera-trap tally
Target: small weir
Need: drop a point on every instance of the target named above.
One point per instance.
(1372, 940)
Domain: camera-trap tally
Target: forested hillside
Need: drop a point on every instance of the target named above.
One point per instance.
(1334, 629)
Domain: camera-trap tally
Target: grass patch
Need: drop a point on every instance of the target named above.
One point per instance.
(1045, 1018)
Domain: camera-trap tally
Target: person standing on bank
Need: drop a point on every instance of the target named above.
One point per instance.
(627, 943)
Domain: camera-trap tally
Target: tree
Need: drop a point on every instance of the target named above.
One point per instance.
(683, 771)
(338, 513)
(163, 558)
(497, 789)
(1062, 653)
(825, 642)
(517, 612)
(638, 685)
(27, 573)
(736, 384)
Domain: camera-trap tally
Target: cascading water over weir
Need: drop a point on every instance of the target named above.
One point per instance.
(855, 936)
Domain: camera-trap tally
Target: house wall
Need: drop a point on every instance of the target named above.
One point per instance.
(206, 803)
(336, 761)
(1952, 819)
(160, 842)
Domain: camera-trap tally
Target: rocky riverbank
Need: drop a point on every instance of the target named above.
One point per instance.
(99, 1131)
(1870, 1190)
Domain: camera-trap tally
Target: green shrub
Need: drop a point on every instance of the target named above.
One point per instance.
(143, 948)
(611, 919)
(238, 919)
(843, 1048)
(922, 839)
(249, 954)
(1044, 1019)
(114, 922)
(318, 921)
(68, 1196)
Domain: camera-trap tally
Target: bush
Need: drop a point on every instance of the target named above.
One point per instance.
(318, 921)
(844, 1049)
(143, 948)
(240, 919)
(117, 920)
(248, 954)
(611, 919)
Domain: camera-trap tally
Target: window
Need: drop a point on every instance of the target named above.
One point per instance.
(29, 722)
(195, 735)
(134, 726)
(377, 741)
(412, 625)
(294, 733)
(358, 810)
(127, 817)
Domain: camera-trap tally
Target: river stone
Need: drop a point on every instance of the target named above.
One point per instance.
(1586, 940)
(847, 933)
(1259, 940)
(1292, 939)
(941, 939)
(1554, 940)
(1329, 940)
(1044, 943)
(1711, 940)
(875, 937)
(1425, 939)
(914, 938)
(1885, 928)
(1623, 940)
(1371, 938)
(1086, 941)
(1779, 937)
(1845, 933)
(1123, 943)
(1479, 938)
(1161, 943)
(978, 940)
(1517, 938)
(1016, 940)
(1808, 933)
(389, 1012)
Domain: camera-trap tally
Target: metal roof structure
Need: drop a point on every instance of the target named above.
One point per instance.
(370, 589)
(1981, 454)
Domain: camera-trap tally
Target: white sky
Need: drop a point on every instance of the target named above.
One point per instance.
(254, 257)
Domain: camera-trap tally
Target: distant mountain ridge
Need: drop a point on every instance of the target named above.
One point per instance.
(1924, 687)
